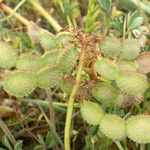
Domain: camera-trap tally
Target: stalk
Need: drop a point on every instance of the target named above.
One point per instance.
(45, 103)
(71, 100)
(119, 145)
(46, 15)
(10, 11)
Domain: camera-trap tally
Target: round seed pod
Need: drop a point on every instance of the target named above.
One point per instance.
(138, 128)
(113, 127)
(132, 83)
(67, 59)
(91, 112)
(8, 56)
(28, 62)
(65, 38)
(104, 92)
(106, 69)
(111, 47)
(48, 77)
(50, 58)
(130, 49)
(48, 42)
(20, 84)
(130, 66)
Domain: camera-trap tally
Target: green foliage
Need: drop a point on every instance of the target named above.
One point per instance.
(8, 56)
(20, 84)
(91, 112)
(138, 128)
(106, 69)
(113, 127)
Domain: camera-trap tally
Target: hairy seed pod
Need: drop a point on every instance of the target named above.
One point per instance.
(138, 128)
(111, 47)
(8, 56)
(28, 62)
(130, 66)
(130, 49)
(104, 92)
(91, 112)
(113, 127)
(106, 69)
(20, 84)
(132, 83)
(48, 77)
(49, 42)
(67, 59)
(65, 38)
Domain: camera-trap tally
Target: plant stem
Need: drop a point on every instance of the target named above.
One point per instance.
(71, 100)
(45, 103)
(8, 10)
(119, 145)
(51, 109)
(46, 15)
(7, 132)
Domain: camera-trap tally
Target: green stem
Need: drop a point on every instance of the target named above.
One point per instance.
(71, 101)
(14, 10)
(119, 145)
(46, 15)
(8, 10)
(45, 103)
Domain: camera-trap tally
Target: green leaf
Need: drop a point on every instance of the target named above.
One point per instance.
(88, 142)
(6, 142)
(50, 140)
(18, 145)
(105, 5)
(134, 21)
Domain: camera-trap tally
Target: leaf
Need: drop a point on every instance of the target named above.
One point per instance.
(105, 5)
(88, 142)
(50, 140)
(144, 62)
(6, 142)
(18, 145)
(134, 21)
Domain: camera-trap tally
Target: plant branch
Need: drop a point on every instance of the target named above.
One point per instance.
(7, 132)
(45, 103)
(46, 15)
(12, 12)
(119, 145)
(71, 100)
(51, 109)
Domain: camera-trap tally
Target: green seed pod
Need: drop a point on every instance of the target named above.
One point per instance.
(67, 59)
(91, 112)
(111, 47)
(106, 69)
(104, 92)
(20, 84)
(65, 38)
(130, 49)
(132, 83)
(138, 128)
(113, 127)
(48, 42)
(28, 62)
(48, 77)
(130, 66)
(8, 56)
